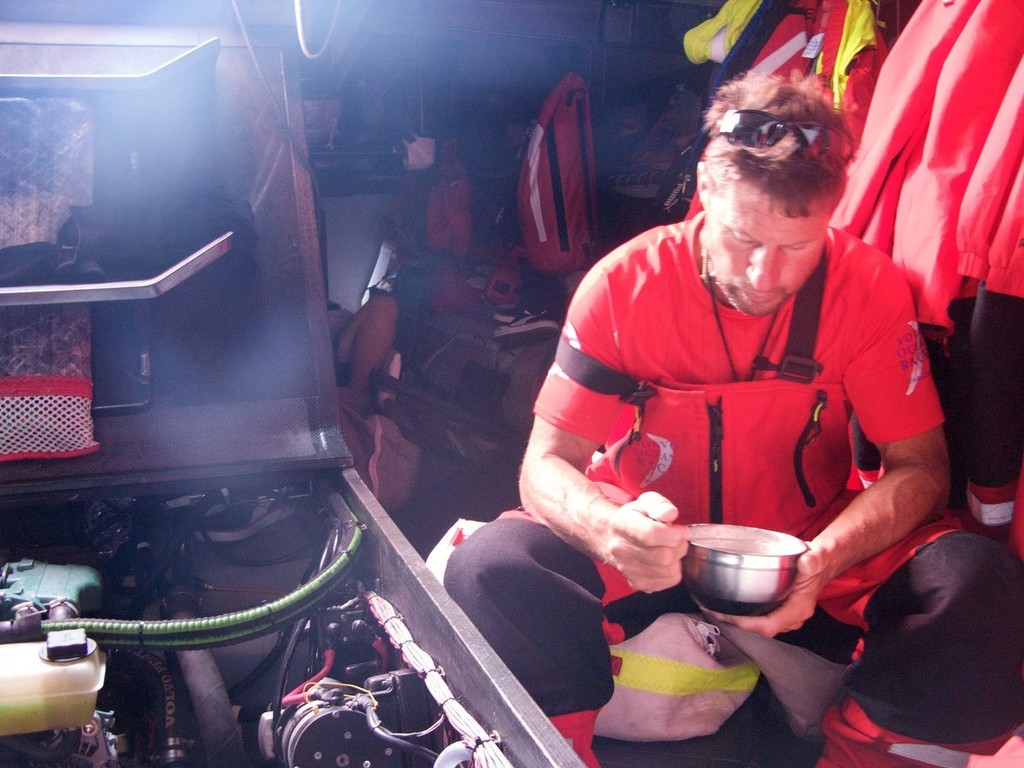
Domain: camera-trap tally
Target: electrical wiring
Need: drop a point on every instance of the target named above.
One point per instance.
(328, 554)
(485, 749)
(420, 734)
(277, 706)
(265, 665)
(298, 695)
(375, 725)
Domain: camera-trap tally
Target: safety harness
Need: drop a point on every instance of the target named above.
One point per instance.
(797, 364)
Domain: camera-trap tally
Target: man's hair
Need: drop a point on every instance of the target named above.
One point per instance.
(798, 180)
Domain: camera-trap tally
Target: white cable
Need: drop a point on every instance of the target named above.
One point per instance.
(454, 755)
(264, 514)
(300, 29)
(483, 746)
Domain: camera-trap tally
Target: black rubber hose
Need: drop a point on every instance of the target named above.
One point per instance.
(374, 723)
(172, 740)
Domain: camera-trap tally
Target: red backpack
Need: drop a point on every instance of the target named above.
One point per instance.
(557, 185)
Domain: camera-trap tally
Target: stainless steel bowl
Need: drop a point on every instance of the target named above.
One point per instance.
(739, 570)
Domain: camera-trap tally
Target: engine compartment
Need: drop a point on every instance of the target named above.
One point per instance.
(237, 630)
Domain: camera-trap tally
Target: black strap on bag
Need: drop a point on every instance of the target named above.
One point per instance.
(798, 363)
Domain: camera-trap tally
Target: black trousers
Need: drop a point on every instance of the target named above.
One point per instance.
(941, 660)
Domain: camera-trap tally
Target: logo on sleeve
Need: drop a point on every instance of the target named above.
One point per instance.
(912, 354)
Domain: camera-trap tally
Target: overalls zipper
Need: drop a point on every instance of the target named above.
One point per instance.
(811, 431)
(715, 421)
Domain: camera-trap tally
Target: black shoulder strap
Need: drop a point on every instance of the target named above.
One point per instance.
(798, 363)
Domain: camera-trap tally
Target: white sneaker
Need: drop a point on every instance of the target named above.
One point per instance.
(526, 328)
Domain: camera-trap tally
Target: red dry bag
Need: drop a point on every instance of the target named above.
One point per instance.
(557, 185)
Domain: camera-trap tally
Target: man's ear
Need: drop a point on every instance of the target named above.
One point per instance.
(702, 185)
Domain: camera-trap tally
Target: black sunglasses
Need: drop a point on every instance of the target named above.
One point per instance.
(756, 129)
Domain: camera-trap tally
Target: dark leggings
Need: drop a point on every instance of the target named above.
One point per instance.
(995, 434)
(941, 660)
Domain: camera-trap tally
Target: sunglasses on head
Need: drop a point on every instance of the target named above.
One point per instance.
(756, 129)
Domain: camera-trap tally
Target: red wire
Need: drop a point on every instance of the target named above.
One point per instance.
(300, 691)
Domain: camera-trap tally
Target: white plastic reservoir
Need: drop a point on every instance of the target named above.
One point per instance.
(42, 695)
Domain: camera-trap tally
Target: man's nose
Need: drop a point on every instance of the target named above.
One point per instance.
(763, 270)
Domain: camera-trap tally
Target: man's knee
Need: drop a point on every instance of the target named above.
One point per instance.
(942, 660)
(978, 575)
(508, 559)
(537, 601)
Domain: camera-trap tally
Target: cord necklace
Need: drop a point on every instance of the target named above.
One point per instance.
(705, 275)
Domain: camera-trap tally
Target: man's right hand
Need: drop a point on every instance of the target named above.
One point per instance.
(637, 537)
(642, 542)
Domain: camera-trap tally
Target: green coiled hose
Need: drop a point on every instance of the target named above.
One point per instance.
(210, 631)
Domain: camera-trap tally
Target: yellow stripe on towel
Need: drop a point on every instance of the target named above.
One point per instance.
(677, 678)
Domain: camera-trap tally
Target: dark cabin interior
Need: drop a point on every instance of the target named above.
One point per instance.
(301, 130)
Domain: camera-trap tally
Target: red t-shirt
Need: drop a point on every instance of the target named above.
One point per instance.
(644, 311)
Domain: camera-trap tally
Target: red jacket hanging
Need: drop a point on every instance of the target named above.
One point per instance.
(937, 97)
(990, 235)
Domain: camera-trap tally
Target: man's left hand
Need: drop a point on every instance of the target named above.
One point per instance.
(799, 606)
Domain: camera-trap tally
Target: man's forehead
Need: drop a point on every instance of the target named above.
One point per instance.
(736, 197)
(764, 216)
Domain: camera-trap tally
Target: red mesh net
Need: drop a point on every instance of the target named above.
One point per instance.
(45, 417)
